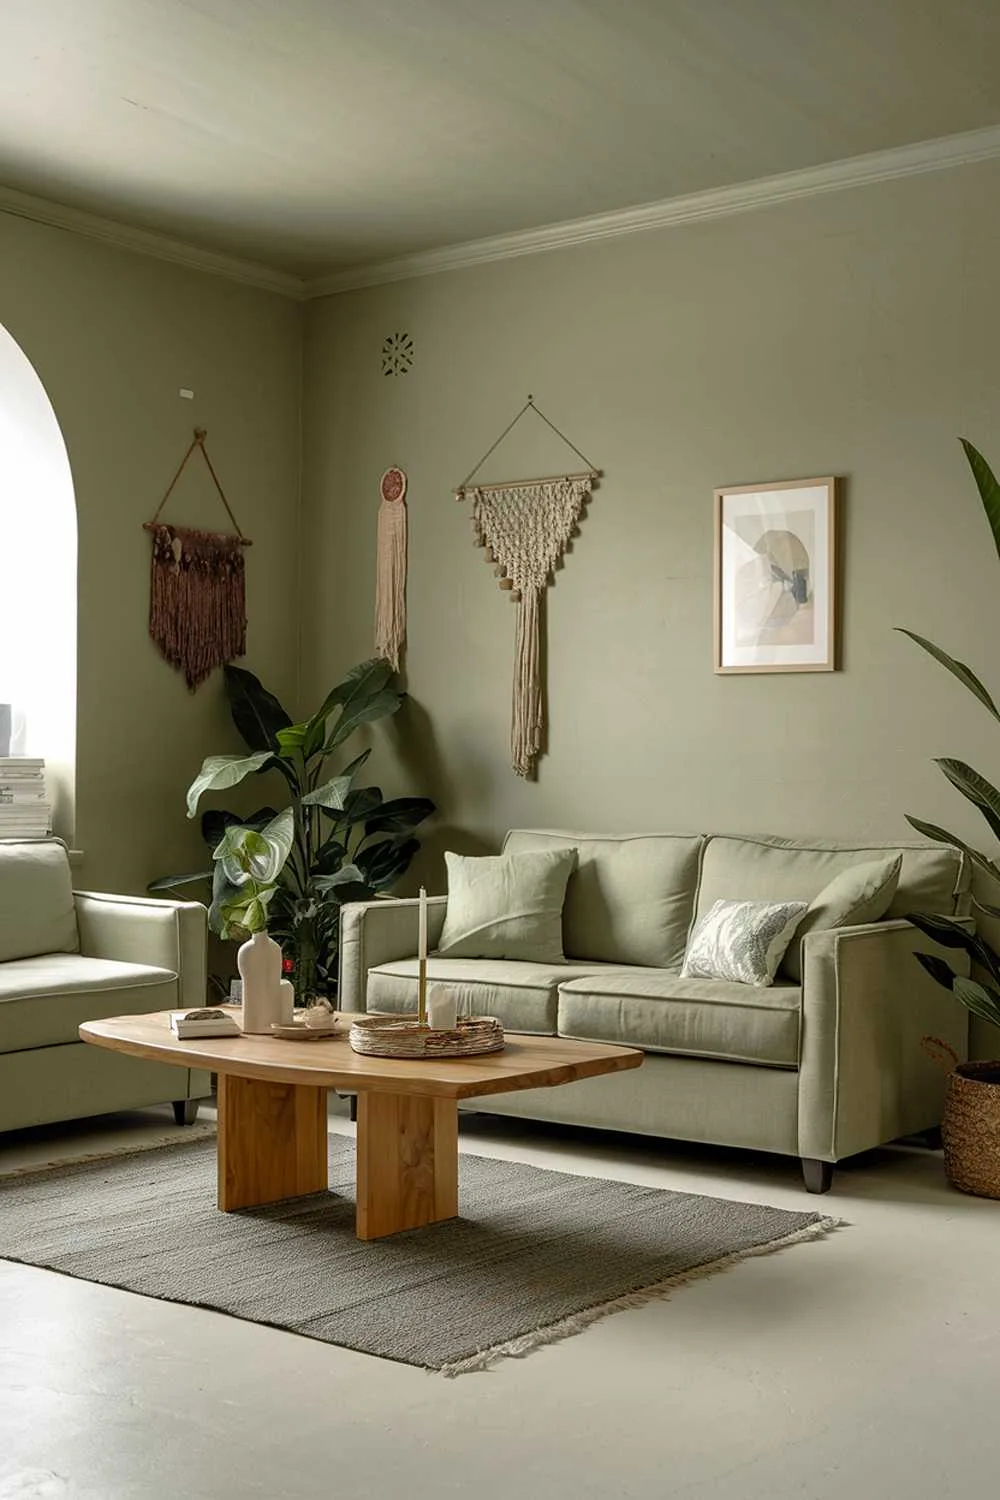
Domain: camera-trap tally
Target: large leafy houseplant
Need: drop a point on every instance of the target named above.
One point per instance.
(335, 842)
(980, 994)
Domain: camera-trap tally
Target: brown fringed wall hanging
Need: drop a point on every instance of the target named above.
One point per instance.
(525, 526)
(390, 577)
(197, 587)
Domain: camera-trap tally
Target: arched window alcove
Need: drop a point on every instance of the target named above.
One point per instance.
(38, 588)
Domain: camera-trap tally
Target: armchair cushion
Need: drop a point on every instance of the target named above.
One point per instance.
(44, 1000)
(37, 914)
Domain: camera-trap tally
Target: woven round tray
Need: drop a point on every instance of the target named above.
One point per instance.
(402, 1036)
(971, 1129)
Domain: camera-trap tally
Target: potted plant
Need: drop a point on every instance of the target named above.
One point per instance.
(347, 843)
(971, 1124)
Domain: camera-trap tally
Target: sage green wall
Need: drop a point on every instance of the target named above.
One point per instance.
(114, 336)
(853, 334)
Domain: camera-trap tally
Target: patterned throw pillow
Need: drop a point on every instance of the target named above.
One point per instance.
(742, 941)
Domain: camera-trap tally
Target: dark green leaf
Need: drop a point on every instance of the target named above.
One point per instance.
(937, 969)
(330, 858)
(362, 682)
(256, 713)
(216, 820)
(353, 890)
(171, 882)
(958, 669)
(400, 815)
(359, 806)
(383, 863)
(355, 714)
(982, 999)
(989, 489)
(219, 772)
(952, 935)
(942, 836)
(975, 788)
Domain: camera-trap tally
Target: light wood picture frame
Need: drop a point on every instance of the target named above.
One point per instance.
(776, 577)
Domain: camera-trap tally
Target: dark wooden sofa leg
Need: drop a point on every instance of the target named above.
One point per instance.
(185, 1111)
(818, 1174)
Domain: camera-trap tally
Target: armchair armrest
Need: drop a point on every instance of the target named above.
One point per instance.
(377, 932)
(141, 930)
(864, 1077)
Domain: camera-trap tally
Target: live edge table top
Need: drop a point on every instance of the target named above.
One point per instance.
(527, 1062)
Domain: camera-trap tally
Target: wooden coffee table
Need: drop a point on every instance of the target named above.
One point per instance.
(272, 1110)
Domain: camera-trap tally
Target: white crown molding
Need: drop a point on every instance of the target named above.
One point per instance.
(714, 203)
(149, 242)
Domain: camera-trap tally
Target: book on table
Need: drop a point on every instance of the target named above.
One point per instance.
(188, 1024)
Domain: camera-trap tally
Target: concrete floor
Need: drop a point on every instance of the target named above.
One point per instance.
(865, 1365)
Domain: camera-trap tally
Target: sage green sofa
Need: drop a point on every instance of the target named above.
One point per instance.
(68, 957)
(820, 1069)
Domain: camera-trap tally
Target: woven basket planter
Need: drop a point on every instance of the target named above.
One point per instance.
(971, 1129)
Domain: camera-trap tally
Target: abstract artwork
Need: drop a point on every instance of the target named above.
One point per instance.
(774, 577)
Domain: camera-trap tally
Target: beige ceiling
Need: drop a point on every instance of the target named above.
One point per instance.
(314, 135)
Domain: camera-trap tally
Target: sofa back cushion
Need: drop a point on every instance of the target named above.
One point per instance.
(37, 913)
(630, 900)
(933, 879)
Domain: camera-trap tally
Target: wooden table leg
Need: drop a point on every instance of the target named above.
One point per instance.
(272, 1141)
(407, 1162)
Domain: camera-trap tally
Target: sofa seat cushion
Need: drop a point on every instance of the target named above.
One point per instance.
(521, 995)
(661, 1012)
(44, 1000)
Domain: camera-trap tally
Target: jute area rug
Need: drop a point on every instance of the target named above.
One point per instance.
(536, 1255)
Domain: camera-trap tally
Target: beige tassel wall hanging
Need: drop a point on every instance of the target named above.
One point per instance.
(390, 577)
(197, 592)
(525, 526)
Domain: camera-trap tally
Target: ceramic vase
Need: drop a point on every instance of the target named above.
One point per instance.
(259, 963)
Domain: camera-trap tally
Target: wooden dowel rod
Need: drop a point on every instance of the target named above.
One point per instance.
(516, 484)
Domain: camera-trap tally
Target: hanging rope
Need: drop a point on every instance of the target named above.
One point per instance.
(390, 575)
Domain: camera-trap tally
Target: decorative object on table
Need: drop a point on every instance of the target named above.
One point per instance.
(525, 526)
(197, 596)
(442, 1008)
(205, 1021)
(775, 579)
(348, 844)
(314, 1023)
(259, 963)
(408, 1036)
(972, 1119)
(390, 578)
(422, 958)
(25, 809)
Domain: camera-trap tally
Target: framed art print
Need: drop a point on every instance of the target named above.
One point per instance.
(775, 581)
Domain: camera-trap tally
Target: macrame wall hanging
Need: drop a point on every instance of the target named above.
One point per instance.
(197, 588)
(525, 526)
(390, 577)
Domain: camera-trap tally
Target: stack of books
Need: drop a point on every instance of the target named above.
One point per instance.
(25, 811)
(186, 1024)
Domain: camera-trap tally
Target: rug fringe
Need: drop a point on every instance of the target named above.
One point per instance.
(554, 1333)
(192, 1134)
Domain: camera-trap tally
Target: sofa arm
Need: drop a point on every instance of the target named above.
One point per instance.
(864, 1077)
(377, 932)
(140, 930)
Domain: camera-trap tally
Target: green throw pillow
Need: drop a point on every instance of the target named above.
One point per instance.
(859, 894)
(507, 906)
